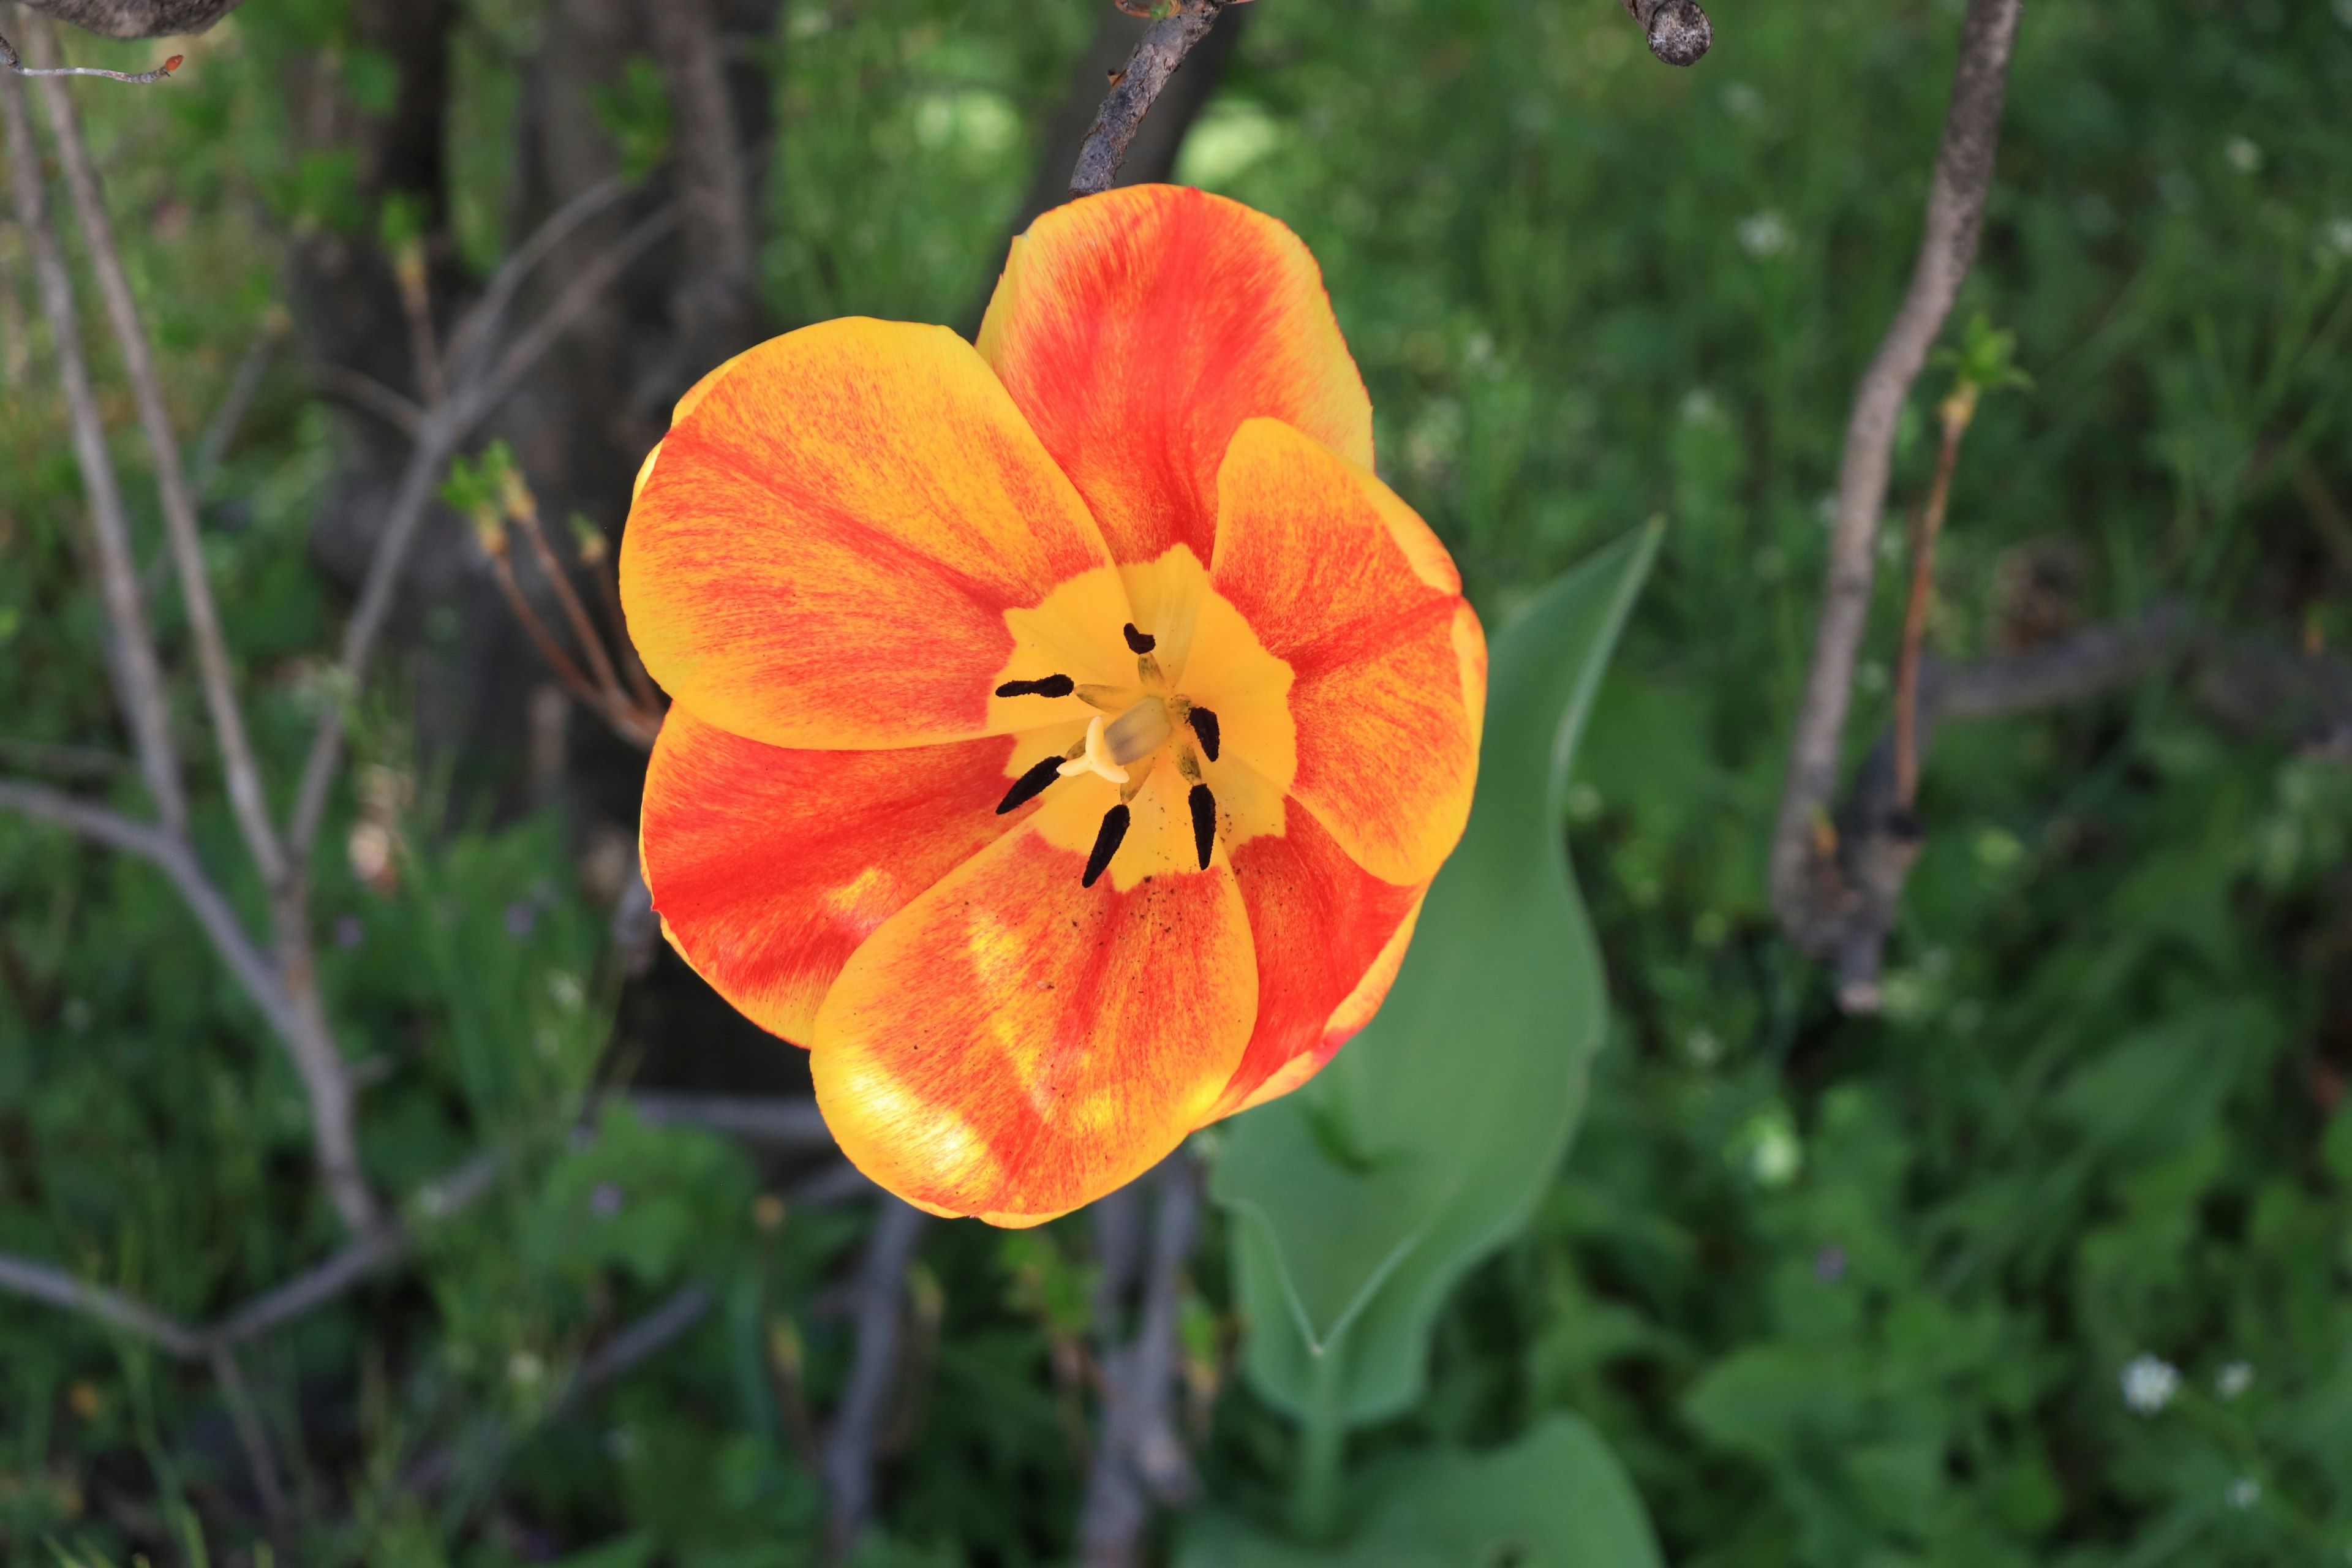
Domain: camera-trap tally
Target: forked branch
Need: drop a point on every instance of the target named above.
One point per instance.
(1814, 894)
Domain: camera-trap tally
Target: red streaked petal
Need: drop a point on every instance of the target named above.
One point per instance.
(770, 865)
(1321, 926)
(1013, 1045)
(824, 547)
(1344, 584)
(1138, 328)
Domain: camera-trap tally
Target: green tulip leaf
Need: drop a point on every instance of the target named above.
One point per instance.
(1361, 1198)
(1554, 1498)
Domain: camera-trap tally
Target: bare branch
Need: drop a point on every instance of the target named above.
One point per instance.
(402, 413)
(479, 325)
(358, 1261)
(171, 854)
(1679, 31)
(240, 772)
(655, 1332)
(8, 58)
(1808, 893)
(138, 675)
(850, 1451)
(59, 1288)
(244, 383)
(1876, 837)
(779, 1122)
(581, 292)
(1140, 1459)
(1164, 46)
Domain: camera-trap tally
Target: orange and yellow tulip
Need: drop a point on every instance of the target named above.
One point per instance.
(1065, 727)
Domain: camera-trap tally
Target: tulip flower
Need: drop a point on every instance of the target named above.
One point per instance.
(1066, 726)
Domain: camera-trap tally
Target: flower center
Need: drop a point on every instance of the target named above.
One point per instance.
(1151, 720)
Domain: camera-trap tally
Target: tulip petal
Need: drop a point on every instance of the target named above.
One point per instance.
(770, 865)
(1138, 328)
(826, 547)
(1323, 928)
(1013, 1045)
(1341, 581)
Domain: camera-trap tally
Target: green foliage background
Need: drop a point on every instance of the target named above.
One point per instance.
(1837, 1291)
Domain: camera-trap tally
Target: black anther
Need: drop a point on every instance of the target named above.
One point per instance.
(1204, 725)
(1114, 828)
(1140, 642)
(1204, 822)
(1030, 786)
(1052, 685)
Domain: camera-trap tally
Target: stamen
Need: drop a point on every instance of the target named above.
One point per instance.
(1204, 725)
(1030, 786)
(1114, 828)
(1204, 822)
(1094, 758)
(1138, 642)
(1052, 685)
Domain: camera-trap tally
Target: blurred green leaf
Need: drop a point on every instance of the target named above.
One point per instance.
(1456, 1101)
(1554, 1498)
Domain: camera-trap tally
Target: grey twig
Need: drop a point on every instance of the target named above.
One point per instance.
(1816, 903)
(481, 324)
(58, 1288)
(243, 385)
(1164, 48)
(438, 434)
(140, 78)
(396, 409)
(1139, 1458)
(1878, 837)
(169, 854)
(1679, 31)
(858, 1426)
(633, 1345)
(241, 773)
(130, 644)
(779, 1122)
(305, 1293)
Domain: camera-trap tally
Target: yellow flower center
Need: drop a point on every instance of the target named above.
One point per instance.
(1066, 662)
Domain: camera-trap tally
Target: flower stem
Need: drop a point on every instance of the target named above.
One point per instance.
(1322, 1454)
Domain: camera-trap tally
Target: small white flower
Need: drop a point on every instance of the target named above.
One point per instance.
(524, 1369)
(2233, 1379)
(1704, 1047)
(2244, 1492)
(2243, 155)
(1766, 235)
(2149, 1383)
(2334, 239)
